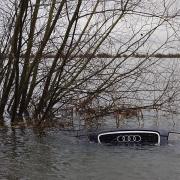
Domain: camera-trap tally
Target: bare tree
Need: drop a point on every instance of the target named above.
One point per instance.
(73, 33)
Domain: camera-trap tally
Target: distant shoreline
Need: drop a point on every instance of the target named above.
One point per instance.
(104, 55)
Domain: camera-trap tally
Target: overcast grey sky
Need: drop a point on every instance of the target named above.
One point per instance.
(132, 24)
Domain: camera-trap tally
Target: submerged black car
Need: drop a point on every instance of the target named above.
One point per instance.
(130, 136)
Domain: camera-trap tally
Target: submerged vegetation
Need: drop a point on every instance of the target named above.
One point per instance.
(52, 70)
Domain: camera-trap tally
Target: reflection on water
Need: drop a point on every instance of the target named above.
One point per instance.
(55, 155)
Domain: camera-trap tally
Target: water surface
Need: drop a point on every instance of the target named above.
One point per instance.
(57, 155)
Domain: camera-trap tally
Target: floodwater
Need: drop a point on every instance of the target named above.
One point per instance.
(57, 155)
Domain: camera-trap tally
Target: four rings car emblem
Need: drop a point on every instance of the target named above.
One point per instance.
(118, 137)
(131, 136)
(128, 138)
